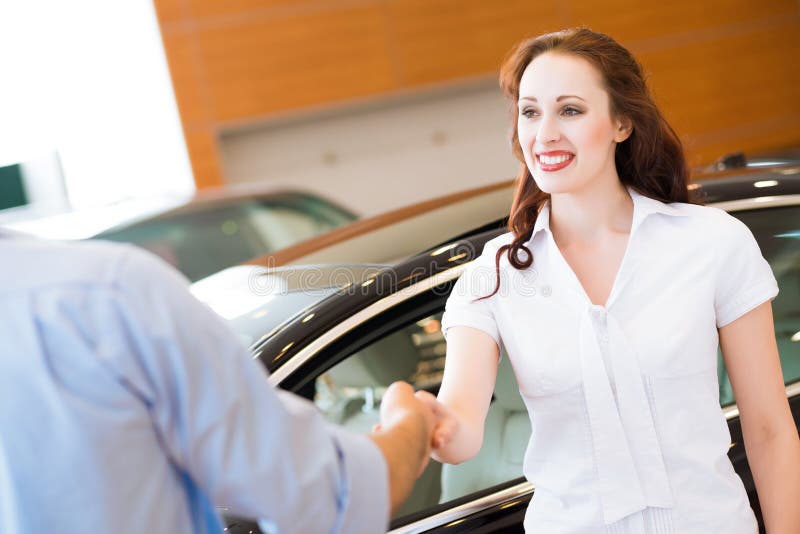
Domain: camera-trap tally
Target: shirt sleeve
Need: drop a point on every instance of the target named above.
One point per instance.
(258, 453)
(464, 306)
(744, 279)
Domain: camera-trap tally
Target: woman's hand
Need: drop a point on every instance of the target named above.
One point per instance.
(445, 424)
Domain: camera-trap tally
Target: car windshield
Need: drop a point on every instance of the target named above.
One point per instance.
(204, 239)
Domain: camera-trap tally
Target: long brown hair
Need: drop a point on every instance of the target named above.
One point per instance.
(650, 160)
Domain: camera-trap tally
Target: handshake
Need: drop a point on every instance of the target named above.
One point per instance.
(413, 427)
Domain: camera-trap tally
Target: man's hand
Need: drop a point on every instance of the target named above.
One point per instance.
(404, 436)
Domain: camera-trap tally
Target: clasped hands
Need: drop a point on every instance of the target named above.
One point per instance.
(400, 402)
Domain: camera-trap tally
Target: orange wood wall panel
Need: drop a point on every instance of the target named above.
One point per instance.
(278, 64)
(441, 40)
(188, 78)
(249, 9)
(631, 20)
(204, 155)
(169, 11)
(731, 86)
(723, 70)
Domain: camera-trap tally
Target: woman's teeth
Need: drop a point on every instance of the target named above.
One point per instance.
(554, 160)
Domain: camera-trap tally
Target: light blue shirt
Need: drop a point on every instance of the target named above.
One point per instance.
(128, 406)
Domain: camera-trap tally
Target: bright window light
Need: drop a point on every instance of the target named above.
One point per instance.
(88, 80)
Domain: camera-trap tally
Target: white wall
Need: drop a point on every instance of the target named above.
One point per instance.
(381, 155)
(88, 79)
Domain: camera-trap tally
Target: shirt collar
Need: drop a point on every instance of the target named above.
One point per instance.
(646, 205)
(642, 207)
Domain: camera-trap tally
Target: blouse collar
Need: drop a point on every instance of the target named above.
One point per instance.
(643, 206)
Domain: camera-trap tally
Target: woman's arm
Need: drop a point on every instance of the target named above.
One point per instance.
(770, 436)
(466, 392)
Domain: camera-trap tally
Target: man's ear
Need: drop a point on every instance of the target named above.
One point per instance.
(624, 129)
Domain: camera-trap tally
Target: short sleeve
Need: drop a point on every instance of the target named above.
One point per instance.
(744, 279)
(465, 307)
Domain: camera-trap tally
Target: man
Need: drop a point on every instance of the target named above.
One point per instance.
(128, 406)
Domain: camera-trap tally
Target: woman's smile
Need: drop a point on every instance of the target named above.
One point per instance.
(554, 160)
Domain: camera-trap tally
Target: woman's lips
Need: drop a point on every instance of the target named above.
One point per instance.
(555, 161)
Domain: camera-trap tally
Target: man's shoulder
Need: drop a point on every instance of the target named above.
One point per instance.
(36, 263)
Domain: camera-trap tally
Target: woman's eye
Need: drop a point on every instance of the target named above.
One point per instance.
(570, 111)
(527, 112)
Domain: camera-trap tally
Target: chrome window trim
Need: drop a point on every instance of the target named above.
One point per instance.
(466, 509)
(505, 495)
(355, 320)
(765, 201)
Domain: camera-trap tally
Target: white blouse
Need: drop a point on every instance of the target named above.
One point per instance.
(627, 432)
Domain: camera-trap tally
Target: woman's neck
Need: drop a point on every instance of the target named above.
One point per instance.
(590, 214)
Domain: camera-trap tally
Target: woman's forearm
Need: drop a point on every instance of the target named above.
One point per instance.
(465, 442)
(775, 464)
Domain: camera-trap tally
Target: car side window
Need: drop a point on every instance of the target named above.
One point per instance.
(197, 243)
(293, 218)
(777, 231)
(349, 395)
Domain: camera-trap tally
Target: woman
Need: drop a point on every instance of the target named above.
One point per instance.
(610, 295)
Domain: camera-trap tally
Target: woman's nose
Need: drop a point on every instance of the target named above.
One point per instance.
(548, 130)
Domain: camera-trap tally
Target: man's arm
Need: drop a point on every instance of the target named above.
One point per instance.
(258, 454)
(404, 438)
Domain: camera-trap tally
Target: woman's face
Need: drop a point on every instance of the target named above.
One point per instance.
(564, 124)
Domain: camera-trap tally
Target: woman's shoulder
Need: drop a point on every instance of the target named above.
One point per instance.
(491, 247)
(711, 222)
(485, 257)
(498, 241)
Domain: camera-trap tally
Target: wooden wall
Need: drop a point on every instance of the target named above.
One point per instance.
(724, 71)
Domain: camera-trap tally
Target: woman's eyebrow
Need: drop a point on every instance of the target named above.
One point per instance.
(562, 97)
(559, 99)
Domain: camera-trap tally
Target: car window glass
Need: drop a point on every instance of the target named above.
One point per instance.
(777, 231)
(291, 217)
(281, 226)
(349, 394)
(207, 239)
(197, 243)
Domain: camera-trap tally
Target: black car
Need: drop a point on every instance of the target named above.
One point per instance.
(343, 333)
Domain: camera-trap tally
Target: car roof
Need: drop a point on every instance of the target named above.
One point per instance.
(126, 213)
(224, 196)
(740, 184)
(87, 223)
